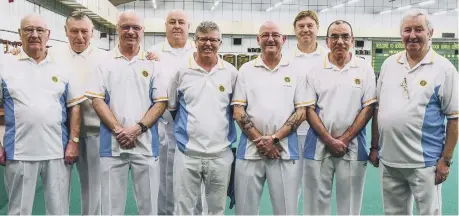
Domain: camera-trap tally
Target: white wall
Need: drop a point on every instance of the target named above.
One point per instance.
(12, 13)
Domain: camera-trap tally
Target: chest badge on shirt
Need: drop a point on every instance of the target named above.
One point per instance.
(423, 83)
(54, 79)
(221, 88)
(357, 83)
(287, 79)
(145, 73)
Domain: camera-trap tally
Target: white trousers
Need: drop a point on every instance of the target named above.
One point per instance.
(166, 165)
(21, 181)
(401, 185)
(318, 184)
(88, 167)
(145, 178)
(282, 179)
(301, 139)
(190, 173)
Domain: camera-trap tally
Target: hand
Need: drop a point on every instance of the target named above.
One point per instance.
(266, 147)
(336, 147)
(152, 56)
(374, 158)
(127, 137)
(2, 156)
(262, 141)
(344, 140)
(71, 153)
(441, 173)
(14, 51)
(274, 152)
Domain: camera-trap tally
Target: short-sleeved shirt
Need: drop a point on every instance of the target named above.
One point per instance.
(411, 122)
(306, 61)
(270, 97)
(204, 126)
(84, 64)
(340, 96)
(129, 88)
(36, 98)
(170, 59)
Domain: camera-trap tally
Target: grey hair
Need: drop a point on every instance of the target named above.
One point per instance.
(412, 13)
(78, 15)
(206, 27)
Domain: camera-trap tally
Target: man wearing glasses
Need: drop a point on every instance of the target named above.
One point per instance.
(129, 97)
(417, 91)
(343, 87)
(41, 97)
(269, 105)
(200, 94)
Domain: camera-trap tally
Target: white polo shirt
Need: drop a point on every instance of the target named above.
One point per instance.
(204, 126)
(306, 61)
(270, 97)
(84, 65)
(170, 59)
(412, 128)
(129, 88)
(340, 96)
(35, 98)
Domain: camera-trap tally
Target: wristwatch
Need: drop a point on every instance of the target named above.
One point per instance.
(275, 139)
(75, 139)
(143, 128)
(447, 162)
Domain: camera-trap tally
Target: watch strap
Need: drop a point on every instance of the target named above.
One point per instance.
(143, 128)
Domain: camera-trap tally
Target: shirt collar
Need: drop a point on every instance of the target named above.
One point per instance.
(428, 58)
(23, 56)
(84, 54)
(283, 62)
(352, 63)
(192, 64)
(117, 54)
(167, 47)
(319, 51)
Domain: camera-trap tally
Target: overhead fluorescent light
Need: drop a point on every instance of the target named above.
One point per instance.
(439, 13)
(385, 12)
(352, 1)
(278, 4)
(338, 6)
(427, 2)
(154, 3)
(325, 10)
(404, 7)
(269, 9)
(213, 7)
(285, 1)
(216, 3)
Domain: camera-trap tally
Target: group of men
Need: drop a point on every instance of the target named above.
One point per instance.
(302, 114)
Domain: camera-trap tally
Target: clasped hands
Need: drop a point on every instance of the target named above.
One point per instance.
(266, 147)
(338, 146)
(127, 137)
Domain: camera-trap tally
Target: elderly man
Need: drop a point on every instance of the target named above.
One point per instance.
(305, 54)
(335, 146)
(128, 97)
(200, 92)
(174, 49)
(40, 99)
(414, 149)
(269, 105)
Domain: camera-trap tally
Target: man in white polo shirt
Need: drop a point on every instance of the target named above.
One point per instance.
(175, 49)
(305, 55)
(200, 93)
(417, 90)
(129, 98)
(269, 105)
(344, 90)
(40, 98)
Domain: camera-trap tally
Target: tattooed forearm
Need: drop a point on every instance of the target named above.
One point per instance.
(246, 123)
(296, 119)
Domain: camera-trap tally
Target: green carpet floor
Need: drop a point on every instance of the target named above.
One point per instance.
(372, 200)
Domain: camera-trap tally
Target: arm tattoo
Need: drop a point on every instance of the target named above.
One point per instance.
(246, 123)
(294, 121)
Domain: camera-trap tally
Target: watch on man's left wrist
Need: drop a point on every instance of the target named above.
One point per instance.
(275, 139)
(143, 128)
(75, 139)
(448, 162)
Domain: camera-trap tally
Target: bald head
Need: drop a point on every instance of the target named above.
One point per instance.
(177, 27)
(35, 19)
(269, 25)
(270, 39)
(34, 35)
(129, 16)
(130, 29)
(177, 14)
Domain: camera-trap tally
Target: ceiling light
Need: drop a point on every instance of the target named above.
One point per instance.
(216, 3)
(404, 7)
(278, 4)
(338, 6)
(269, 9)
(439, 13)
(352, 1)
(325, 10)
(385, 12)
(427, 2)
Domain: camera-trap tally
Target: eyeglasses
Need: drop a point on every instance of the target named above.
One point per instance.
(135, 28)
(29, 30)
(336, 37)
(204, 40)
(275, 36)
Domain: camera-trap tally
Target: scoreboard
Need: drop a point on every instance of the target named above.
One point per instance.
(383, 49)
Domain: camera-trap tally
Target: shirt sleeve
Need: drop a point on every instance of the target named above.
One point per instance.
(96, 87)
(172, 90)
(158, 85)
(76, 92)
(240, 90)
(448, 94)
(302, 98)
(310, 89)
(369, 88)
